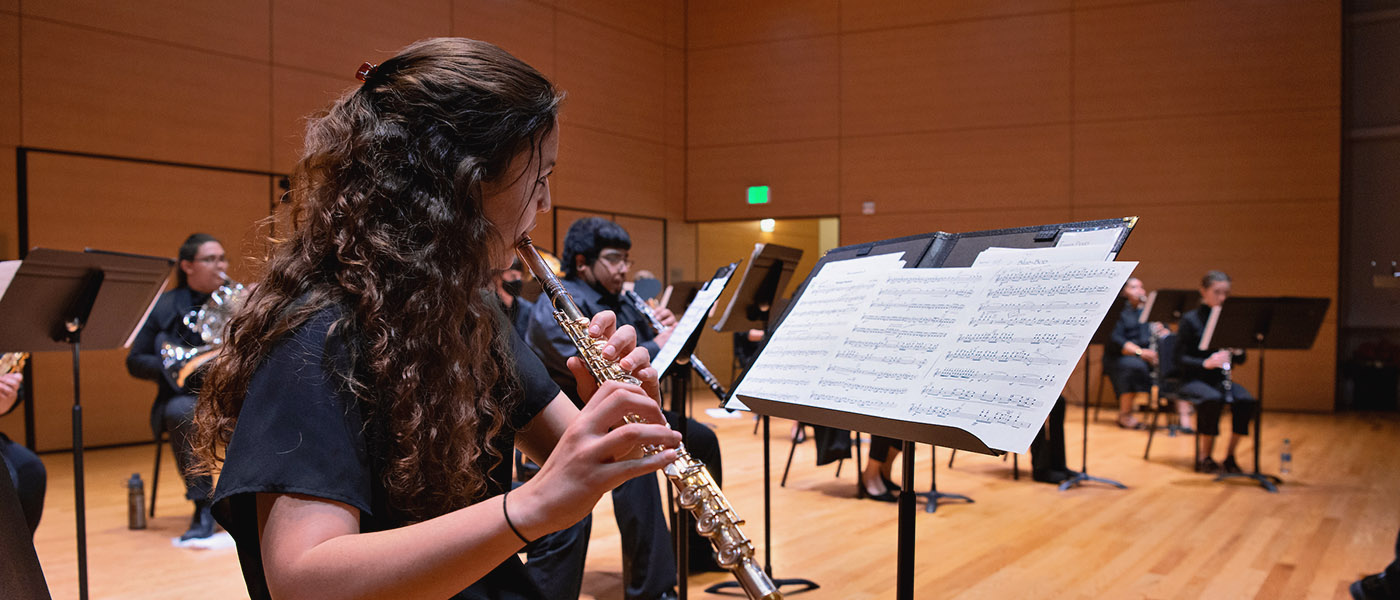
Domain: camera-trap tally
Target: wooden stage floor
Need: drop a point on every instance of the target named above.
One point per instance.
(1172, 534)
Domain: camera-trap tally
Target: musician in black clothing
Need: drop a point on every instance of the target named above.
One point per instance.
(1205, 381)
(1129, 358)
(202, 266)
(21, 465)
(595, 262)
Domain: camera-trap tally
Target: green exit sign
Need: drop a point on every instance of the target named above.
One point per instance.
(758, 194)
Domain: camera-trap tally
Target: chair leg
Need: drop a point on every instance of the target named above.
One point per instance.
(1098, 398)
(950, 457)
(1155, 403)
(791, 450)
(155, 476)
(1015, 467)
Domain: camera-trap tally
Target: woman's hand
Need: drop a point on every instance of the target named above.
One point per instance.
(1219, 359)
(622, 348)
(9, 390)
(597, 452)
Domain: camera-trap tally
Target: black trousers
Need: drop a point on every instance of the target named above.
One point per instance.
(1210, 403)
(648, 561)
(176, 417)
(555, 561)
(30, 478)
(882, 447)
(1129, 374)
(1048, 448)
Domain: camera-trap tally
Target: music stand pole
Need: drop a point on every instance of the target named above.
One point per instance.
(1083, 475)
(932, 496)
(1265, 480)
(680, 381)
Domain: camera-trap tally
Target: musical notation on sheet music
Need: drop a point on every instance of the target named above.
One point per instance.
(985, 349)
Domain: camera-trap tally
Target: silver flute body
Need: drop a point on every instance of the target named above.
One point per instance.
(697, 491)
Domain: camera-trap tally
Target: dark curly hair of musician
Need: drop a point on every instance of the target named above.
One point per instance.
(389, 231)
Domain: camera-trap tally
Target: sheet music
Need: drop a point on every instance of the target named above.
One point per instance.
(7, 274)
(694, 314)
(1101, 239)
(983, 349)
(992, 257)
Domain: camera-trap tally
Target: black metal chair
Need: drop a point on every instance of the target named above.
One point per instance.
(793, 449)
(1166, 395)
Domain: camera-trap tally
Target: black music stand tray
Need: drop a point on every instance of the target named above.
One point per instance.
(1101, 336)
(931, 250)
(765, 277)
(1167, 306)
(1282, 323)
(780, 262)
(60, 300)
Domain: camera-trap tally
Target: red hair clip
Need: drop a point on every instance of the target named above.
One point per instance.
(366, 71)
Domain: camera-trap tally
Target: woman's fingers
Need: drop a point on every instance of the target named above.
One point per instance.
(615, 401)
(602, 325)
(620, 343)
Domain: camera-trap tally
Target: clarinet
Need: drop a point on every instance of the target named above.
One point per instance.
(697, 491)
(1227, 384)
(705, 374)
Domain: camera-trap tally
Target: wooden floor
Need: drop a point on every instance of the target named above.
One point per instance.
(1172, 534)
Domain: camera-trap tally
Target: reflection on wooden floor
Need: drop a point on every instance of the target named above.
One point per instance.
(1173, 534)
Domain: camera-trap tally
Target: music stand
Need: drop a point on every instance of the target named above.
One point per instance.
(1282, 323)
(777, 262)
(63, 300)
(1101, 337)
(1167, 306)
(932, 250)
(765, 277)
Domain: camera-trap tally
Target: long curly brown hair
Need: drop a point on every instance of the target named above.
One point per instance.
(389, 231)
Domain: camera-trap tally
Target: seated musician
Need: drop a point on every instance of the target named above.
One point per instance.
(596, 262)
(1205, 378)
(1129, 358)
(202, 265)
(22, 466)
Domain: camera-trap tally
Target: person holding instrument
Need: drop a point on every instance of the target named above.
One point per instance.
(369, 391)
(22, 466)
(596, 262)
(1205, 378)
(201, 273)
(1130, 358)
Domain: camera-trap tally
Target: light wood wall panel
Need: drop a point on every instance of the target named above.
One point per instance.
(675, 183)
(778, 91)
(98, 92)
(984, 73)
(525, 29)
(732, 22)
(9, 133)
(333, 38)
(802, 176)
(675, 105)
(1201, 57)
(79, 202)
(9, 80)
(608, 172)
(857, 16)
(615, 81)
(857, 228)
(648, 251)
(643, 19)
(1216, 158)
(238, 27)
(297, 97)
(1218, 123)
(1013, 168)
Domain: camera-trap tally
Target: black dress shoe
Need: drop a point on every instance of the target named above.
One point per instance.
(1051, 475)
(1373, 587)
(888, 496)
(669, 595)
(1207, 465)
(201, 524)
(890, 485)
(1230, 466)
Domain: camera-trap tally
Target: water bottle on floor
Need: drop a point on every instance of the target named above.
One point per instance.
(135, 502)
(1285, 460)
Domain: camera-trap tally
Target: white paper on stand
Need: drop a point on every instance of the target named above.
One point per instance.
(694, 314)
(983, 349)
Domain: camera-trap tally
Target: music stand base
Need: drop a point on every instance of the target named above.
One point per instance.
(807, 586)
(1082, 477)
(1266, 481)
(931, 499)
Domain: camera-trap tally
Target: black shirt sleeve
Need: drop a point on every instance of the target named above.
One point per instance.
(300, 430)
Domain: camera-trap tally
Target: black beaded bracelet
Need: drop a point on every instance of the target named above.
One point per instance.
(508, 522)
